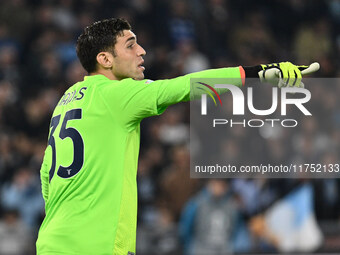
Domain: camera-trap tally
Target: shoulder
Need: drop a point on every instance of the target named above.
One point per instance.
(127, 83)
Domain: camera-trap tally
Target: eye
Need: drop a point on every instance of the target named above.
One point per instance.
(130, 46)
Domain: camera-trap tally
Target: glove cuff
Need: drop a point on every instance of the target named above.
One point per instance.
(252, 71)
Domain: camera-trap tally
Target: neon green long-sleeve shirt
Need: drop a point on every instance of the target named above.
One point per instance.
(89, 169)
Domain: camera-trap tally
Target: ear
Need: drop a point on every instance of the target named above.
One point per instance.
(105, 59)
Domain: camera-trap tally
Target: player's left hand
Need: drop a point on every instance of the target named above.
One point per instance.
(286, 74)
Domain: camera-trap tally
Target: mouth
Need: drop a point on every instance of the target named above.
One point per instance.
(140, 66)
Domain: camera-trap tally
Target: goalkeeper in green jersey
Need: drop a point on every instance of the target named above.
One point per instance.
(89, 169)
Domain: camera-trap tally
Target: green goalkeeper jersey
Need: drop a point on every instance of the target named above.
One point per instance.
(89, 169)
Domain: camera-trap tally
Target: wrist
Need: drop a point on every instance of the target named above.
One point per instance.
(252, 71)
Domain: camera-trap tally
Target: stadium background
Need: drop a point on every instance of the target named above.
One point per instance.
(38, 63)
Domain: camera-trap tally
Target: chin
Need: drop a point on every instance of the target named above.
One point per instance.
(139, 77)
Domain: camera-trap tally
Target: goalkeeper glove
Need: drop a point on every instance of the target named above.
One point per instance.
(284, 74)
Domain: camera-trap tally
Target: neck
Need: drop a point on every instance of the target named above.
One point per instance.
(106, 73)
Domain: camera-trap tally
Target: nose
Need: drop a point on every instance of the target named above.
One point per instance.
(141, 51)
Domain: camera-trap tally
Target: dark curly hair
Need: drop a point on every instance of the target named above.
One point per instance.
(100, 36)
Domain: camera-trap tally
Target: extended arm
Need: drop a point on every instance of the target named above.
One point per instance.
(141, 99)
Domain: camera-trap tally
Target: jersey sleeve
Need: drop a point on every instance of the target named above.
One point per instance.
(44, 174)
(140, 99)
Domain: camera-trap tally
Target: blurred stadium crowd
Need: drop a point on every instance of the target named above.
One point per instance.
(177, 215)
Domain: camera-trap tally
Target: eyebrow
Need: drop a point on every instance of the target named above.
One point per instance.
(130, 39)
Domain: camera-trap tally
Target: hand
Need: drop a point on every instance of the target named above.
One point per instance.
(286, 74)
